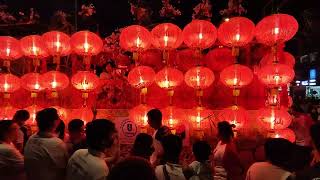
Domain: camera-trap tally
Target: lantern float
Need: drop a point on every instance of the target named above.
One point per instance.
(235, 115)
(219, 58)
(9, 50)
(282, 57)
(55, 81)
(139, 115)
(172, 117)
(276, 75)
(283, 133)
(273, 118)
(141, 77)
(200, 119)
(32, 82)
(33, 109)
(8, 84)
(85, 113)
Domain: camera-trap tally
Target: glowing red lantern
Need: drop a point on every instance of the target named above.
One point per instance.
(33, 46)
(236, 76)
(282, 57)
(9, 83)
(276, 29)
(172, 116)
(273, 118)
(169, 78)
(234, 115)
(167, 36)
(139, 114)
(199, 117)
(33, 109)
(85, 81)
(236, 32)
(199, 77)
(199, 34)
(275, 75)
(9, 48)
(32, 82)
(55, 80)
(219, 58)
(62, 112)
(141, 76)
(57, 43)
(86, 43)
(7, 112)
(84, 113)
(285, 134)
(135, 38)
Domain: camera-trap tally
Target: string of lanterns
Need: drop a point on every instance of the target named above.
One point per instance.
(276, 69)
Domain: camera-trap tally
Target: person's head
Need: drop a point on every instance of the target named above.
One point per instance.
(172, 146)
(76, 129)
(101, 134)
(143, 146)
(21, 116)
(201, 151)
(225, 132)
(60, 130)
(47, 120)
(155, 118)
(314, 133)
(8, 131)
(132, 168)
(278, 151)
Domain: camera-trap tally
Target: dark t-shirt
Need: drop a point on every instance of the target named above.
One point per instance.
(312, 173)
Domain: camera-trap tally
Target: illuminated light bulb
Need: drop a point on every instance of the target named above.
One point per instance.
(86, 47)
(276, 30)
(200, 36)
(277, 136)
(37, 86)
(8, 51)
(138, 42)
(54, 84)
(58, 45)
(145, 120)
(35, 50)
(171, 122)
(6, 86)
(85, 84)
(166, 39)
(237, 37)
(235, 81)
(226, 19)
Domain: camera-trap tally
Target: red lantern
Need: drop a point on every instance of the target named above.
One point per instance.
(199, 117)
(199, 34)
(234, 115)
(236, 32)
(57, 43)
(139, 114)
(199, 77)
(62, 112)
(135, 38)
(167, 36)
(84, 113)
(55, 80)
(141, 76)
(9, 83)
(273, 118)
(169, 78)
(276, 75)
(172, 116)
(276, 29)
(236, 76)
(32, 82)
(9, 48)
(219, 58)
(33, 46)
(33, 109)
(285, 134)
(85, 81)
(282, 57)
(86, 43)
(7, 112)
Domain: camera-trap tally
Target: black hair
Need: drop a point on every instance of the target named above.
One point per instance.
(315, 135)
(5, 128)
(21, 115)
(225, 131)
(201, 150)
(172, 146)
(279, 152)
(142, 146)
(132, 168)
(99, 134)
(155, 117)
(75, 125)
(46, 118)
(61, 129)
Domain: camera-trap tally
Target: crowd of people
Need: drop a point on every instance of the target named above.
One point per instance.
(92, 152)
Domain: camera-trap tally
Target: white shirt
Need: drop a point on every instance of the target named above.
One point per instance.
(218, 154)
(11, 162)
(158, 150)
(266, 171)
(205, 172)
(175, 172)
(45, 158)
(85, 166)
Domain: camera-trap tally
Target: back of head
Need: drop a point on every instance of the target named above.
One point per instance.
(201, 150)
(132, 168)
(154, 118)
(314, 133)
(5, 129)
(46, 119)
(142, 145)
(21, 115)
(75, 125)
(172, 146)
(225, 131)
(278, 151)
(100, 134)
